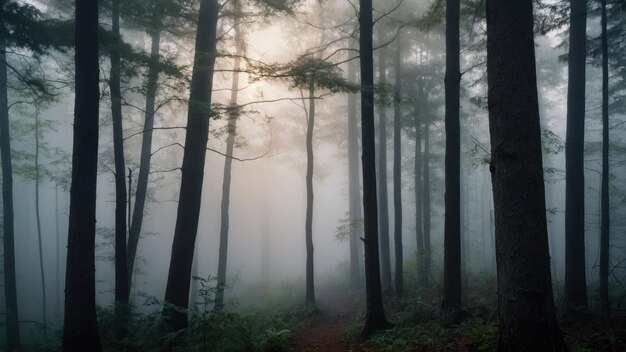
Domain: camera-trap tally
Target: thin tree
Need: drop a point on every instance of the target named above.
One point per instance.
(383, 197)
(525, 302)
(179, 277)
(426, 205)
(575, 290)
(605, 209)
(38, 221)
(233, 115)
(354, 187)
(80, 329)
(419, 233)
(374, 310)
(8, 225)
(121, 274)
(452, 227)
(397, 172)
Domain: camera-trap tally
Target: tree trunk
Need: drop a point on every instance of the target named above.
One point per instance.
(525, 303)
(146, 155)
(353, 182)
(575, 282)
(374, 309)
(605, 225)
(397, 173)
(310, 288)
(419, 225)
(228, 162)
(10, 289)
(426, 207)
(80, 330)
(38, 220)
(383, 215)
(452, 228)
(121, 274)
(178, 281)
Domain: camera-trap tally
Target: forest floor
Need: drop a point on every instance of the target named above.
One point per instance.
(337, 309)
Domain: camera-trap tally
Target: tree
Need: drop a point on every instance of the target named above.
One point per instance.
(233, 115)
(354, 188)
(452, 229)
(80, 329)
(199, 112)
(397, 171)
(525, 302)
(383, 214)
(604, 196)
(8, 244)
(575, 291)
(374, 310)
(419, 233)
(122, 290)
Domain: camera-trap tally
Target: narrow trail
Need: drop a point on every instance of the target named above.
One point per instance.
(337, 309)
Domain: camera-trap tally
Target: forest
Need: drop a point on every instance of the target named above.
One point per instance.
(313, 175)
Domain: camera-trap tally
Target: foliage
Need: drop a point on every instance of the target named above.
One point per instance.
(345, 227)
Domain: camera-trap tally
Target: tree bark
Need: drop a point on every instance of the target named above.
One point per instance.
(575, 292)
(397, 173)
(10, 288)
(228, 162)
(374, 309)
(525, 303)
(178, 281)
(38, 220)
(353, 182)
(80, 330)
(605, 209)
(452, 227)
(383, 215)
(146, 155)
(310, 283)
(121, 274)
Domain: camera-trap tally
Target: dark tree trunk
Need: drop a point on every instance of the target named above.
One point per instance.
(121, 267)
(397, 173)
(374, 309)
(146, 155)
(80, 330)
(10, 289)
(605, 225)
(228, 163)
(178, 281)
(354, 186)
(310, 288)
(383, 215)
(419, 234)
(38, 218)
(452, 229)
(426, 207)
(575, 282)
(525, 304)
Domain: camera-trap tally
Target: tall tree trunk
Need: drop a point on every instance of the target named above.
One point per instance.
(525, 303)
(10, 289)
(38, 220)
(426, 199)
(178, 281)
(374, 309)
(80, 330)
(310, 288)
(575, 276)
(57, 264)
(354, 193)
(605, 226)
(383, 215)
(419, 234)
(228, 162)
(452, 228)
(146, 155)
(121, 274)
(397, 173)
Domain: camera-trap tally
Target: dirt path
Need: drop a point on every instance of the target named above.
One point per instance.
(337, 309)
